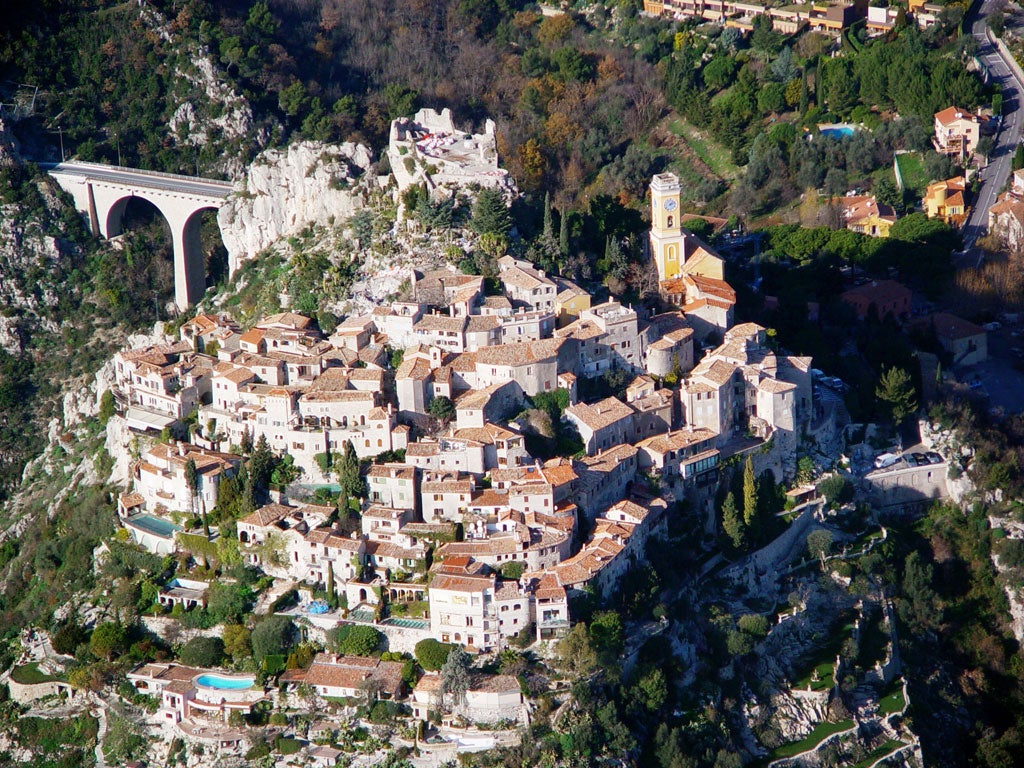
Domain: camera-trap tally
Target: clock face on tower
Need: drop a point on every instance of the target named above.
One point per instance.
(670, 205)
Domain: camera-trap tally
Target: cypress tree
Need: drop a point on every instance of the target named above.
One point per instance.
(749, 494)
(332, 597)
(563, 234)
(732, 523)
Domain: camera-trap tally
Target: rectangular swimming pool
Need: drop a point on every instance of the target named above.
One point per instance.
(155, 526)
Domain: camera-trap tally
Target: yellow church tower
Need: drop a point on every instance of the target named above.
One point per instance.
(667, 238)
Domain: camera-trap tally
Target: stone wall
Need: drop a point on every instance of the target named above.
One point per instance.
(28, 694)
(907, 486)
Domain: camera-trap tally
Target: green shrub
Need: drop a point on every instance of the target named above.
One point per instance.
(287, 746)
(202, 652)
(432, 654)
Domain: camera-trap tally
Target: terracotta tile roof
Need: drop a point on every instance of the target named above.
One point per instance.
(353, 672)
(447, 483)
(268, 515)
(489, 498)
(879, 291)
(610, 459)
(444, 323)
(675, 441)
(422, 448)
(801, 363)
(385, 513)
(454, 583)
(950, 115)
(949, 326)
(496, 302)
(775, 386)
(581, 330)
(465, 363)
(521, 278)
(403, 471)
(522, 353)
(252, 336)
(131, 500)
(699, 304)
(716, 371)
(710, 287)
(429, 683)
(480, 548)
(292, 320)
(859, 207)
(488, 434)
(601, 414)
(481, 323)
(559, 471)
(343, 396)
(381, 549)
(416, 369)
(549, 587)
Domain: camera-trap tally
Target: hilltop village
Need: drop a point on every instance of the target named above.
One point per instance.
(400, 523)
(499, 384)
(457, 518)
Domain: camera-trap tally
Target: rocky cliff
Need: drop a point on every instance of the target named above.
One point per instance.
(34, 257)
(284, 190)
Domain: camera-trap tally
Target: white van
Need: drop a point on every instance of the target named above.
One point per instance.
(886, 460)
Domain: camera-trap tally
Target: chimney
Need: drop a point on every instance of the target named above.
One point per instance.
(181, 448)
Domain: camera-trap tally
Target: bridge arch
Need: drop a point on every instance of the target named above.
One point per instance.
(102, 192)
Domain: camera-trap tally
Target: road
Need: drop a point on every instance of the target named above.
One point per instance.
(164, 182)
(993, 177)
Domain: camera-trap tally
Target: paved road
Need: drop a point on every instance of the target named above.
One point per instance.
(993, 178)
(165, 182)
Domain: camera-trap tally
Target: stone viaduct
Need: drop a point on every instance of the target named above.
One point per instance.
(102, 191)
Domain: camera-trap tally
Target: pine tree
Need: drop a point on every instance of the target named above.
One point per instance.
(246, 445)
(732, 523)
(896, 391)
(455, 678)
(749, 494)
(615, 259)
(490, 214)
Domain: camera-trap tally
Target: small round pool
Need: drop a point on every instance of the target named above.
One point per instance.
(222, 683)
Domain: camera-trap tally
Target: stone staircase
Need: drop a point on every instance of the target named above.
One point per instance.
(267, 598)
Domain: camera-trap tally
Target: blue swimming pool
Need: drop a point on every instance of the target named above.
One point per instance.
(837, 132)
(156, 526)
(225, 683)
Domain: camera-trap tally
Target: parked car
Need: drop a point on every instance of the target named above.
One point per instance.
(921, 459)
(886, 460)
(933, 457)
(911, 459)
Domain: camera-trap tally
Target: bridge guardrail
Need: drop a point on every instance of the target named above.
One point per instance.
(181, 177)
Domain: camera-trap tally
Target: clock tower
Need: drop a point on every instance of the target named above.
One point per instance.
(667, 238)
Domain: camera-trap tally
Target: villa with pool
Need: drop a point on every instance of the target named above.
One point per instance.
(191, 694)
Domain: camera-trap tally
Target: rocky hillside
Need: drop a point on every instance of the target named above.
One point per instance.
(286, 189)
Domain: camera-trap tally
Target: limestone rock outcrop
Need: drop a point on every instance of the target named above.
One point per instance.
(286, 189)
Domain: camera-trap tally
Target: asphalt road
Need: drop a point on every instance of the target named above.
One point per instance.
(993, 177)
(166, 182)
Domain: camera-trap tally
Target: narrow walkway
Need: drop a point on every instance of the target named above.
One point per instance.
(100, 713)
